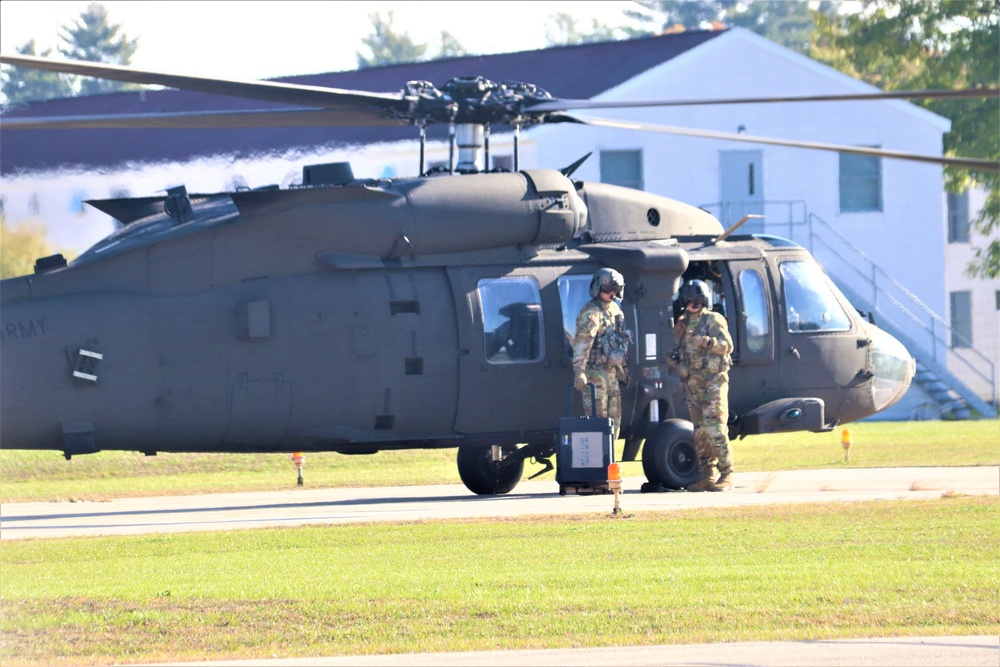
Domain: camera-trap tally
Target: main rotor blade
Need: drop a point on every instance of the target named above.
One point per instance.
(964, 163)
(382, 104)
(203, 120)
(568, 105)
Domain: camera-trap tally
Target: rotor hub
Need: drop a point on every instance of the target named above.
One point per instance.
(475, 100)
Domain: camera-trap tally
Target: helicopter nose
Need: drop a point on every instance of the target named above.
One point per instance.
(893, 369)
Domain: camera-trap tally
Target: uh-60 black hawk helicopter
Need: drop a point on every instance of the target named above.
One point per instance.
(355, 315)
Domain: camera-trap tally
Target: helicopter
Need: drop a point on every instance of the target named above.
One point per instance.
(360, 315)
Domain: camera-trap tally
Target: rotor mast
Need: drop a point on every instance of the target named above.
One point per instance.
(470, 105)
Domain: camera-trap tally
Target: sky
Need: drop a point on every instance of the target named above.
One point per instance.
(261, 39)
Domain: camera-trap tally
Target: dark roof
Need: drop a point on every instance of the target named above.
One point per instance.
(568, 72)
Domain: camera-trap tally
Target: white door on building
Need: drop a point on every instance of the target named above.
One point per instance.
(741, 191)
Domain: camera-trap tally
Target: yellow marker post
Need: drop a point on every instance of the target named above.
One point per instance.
(846, 440)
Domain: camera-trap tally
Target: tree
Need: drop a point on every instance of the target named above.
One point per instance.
(916, 44)
(93, 39)
(450, 46)
(25, 85)
(387, 46)
(20, 246)
(562, 29)
(786, 22)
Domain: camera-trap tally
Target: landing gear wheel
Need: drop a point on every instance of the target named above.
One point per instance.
(486, 477)
(670, 457)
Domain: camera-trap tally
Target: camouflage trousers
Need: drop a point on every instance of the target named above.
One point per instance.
(708, 403)
(607, 393)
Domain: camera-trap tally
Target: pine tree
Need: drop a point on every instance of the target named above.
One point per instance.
(26, 85)
(94, 39)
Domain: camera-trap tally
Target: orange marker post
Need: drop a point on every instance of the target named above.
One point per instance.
(615, 484)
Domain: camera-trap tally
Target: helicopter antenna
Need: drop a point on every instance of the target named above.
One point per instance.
(568, 171)
(517, 147)
(423, 147)
(486, 147)
(726, 234)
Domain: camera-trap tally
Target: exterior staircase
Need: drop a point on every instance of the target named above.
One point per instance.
(932, 342)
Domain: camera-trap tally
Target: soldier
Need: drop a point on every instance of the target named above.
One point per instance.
(702, 357)
(600, 348)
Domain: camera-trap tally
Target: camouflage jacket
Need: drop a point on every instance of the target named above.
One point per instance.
(703, 345)
(601, 338)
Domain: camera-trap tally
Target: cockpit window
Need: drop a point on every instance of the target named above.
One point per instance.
(810, 303)
(512, 320)
(755, 307)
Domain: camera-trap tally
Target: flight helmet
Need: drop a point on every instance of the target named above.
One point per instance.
(697, 292)
(604, 277)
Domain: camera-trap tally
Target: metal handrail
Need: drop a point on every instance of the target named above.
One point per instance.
(937, 334)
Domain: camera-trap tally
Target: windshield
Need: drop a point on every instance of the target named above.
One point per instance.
(810, 302)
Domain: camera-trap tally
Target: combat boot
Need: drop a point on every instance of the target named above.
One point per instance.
(724, 483)
(704, 483)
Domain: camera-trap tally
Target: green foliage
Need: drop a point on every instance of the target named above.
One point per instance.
(93, 39)
(563, 29)
(90, 38)
(25, 85)
(786, 22)
(917, 44)
(795, 572)
(387, 46)
(450, 46)
(20, 246)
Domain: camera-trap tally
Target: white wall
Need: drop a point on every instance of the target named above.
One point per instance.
(985, 311)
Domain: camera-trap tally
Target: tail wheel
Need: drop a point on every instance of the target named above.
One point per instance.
(486, 477)
(670, 457)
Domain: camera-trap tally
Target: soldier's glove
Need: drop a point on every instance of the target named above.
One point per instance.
(701, 342)
(580, 381)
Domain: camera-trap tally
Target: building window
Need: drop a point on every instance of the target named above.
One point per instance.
(512, 320)
(860, 183)
(622, 168)
(961, 319)
(958, 217)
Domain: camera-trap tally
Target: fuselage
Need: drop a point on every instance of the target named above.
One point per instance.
(423, 313)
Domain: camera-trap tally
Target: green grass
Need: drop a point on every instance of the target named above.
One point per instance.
(809, 572)
(46, 476)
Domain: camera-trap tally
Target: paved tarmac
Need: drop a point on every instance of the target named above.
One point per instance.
(230, 511)
(908, 652)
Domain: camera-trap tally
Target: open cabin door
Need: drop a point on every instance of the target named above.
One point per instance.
(513, 370)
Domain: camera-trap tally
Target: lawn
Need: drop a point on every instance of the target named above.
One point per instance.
(878, 569)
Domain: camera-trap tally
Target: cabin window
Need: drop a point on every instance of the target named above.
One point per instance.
(961, 319)
(574, 292)
(512, 320)
(810, 301)
(622, 168)
(755, 311)
(958, 217)
(860, 183)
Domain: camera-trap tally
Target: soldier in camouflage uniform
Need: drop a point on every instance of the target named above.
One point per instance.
(600, 347)
(702, 357)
